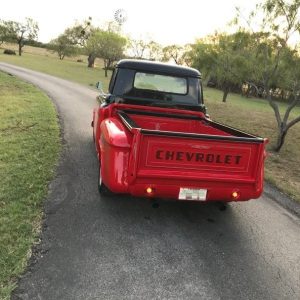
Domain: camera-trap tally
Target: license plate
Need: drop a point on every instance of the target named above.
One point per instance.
(192, 194)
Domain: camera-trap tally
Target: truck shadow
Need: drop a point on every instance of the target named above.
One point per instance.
(199, 245)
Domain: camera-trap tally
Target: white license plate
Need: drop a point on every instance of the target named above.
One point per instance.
(192, 194)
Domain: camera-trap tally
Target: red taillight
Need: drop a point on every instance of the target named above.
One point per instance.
(235, 195)
(149, 191)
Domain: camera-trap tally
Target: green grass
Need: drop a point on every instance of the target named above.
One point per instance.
(250, 114)
(47, 62)
(29, 150)
(256, 104)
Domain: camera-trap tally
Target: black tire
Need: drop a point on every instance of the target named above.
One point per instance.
(92, 125)
(222, 205)
(102, 188)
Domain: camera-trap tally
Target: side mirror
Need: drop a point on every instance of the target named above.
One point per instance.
(99, 86)
(102, 96)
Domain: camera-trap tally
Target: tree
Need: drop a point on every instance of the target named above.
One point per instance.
(79, 33)
(138, 48)
(63, 46)
(78, 36)
(203, 55)
(174, 52)
(186, 58)
(277, 64)
(145, 49)
(73, 38)
(3, 33)
(107, 45)
(224, 58)
(290, 72)
(155, 51)
(20, 32)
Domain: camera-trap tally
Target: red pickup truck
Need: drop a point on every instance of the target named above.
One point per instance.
(154, 139)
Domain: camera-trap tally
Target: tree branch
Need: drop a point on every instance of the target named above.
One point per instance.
(292, 123)
(275, 108)
(281, 4)
(290, 107)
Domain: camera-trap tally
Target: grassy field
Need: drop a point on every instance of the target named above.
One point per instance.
(48, 62)
(249, 114)
(29, 150)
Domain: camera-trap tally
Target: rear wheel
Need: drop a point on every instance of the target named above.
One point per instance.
(222, 205)
(102, 188)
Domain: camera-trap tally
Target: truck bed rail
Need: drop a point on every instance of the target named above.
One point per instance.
(237, 135)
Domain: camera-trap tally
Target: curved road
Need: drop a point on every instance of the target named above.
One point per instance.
(123, 248)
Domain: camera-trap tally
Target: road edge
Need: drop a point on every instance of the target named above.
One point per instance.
(36, 251)
(281, 198)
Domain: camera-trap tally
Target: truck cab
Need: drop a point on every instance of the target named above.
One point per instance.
(155, 84)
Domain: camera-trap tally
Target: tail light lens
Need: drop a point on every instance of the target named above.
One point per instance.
(235, 195)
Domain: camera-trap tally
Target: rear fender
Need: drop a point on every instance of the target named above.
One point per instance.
(260, 169)
(115, 141)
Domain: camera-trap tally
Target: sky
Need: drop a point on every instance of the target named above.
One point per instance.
(164, 21)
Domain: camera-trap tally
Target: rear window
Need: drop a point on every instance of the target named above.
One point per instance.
(161, 83)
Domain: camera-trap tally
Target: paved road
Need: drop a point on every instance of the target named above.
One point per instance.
(123, 248)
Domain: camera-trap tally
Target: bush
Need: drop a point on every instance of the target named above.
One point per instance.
(34, 43)
(9, 52)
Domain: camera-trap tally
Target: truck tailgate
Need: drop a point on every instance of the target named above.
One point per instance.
(197, 158)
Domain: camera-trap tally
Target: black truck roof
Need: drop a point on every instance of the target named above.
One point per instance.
(158, 67)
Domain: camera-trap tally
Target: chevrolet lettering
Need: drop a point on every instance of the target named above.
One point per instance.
(198, 157)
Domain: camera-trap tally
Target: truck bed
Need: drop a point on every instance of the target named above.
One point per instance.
(183, 125)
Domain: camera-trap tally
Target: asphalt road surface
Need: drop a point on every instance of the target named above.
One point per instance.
(123, 248)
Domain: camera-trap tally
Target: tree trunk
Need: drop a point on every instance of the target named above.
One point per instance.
(20, 49)
(225, 94)
(91, 60)
(248, 93)
(280, 139)
(107, 64)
